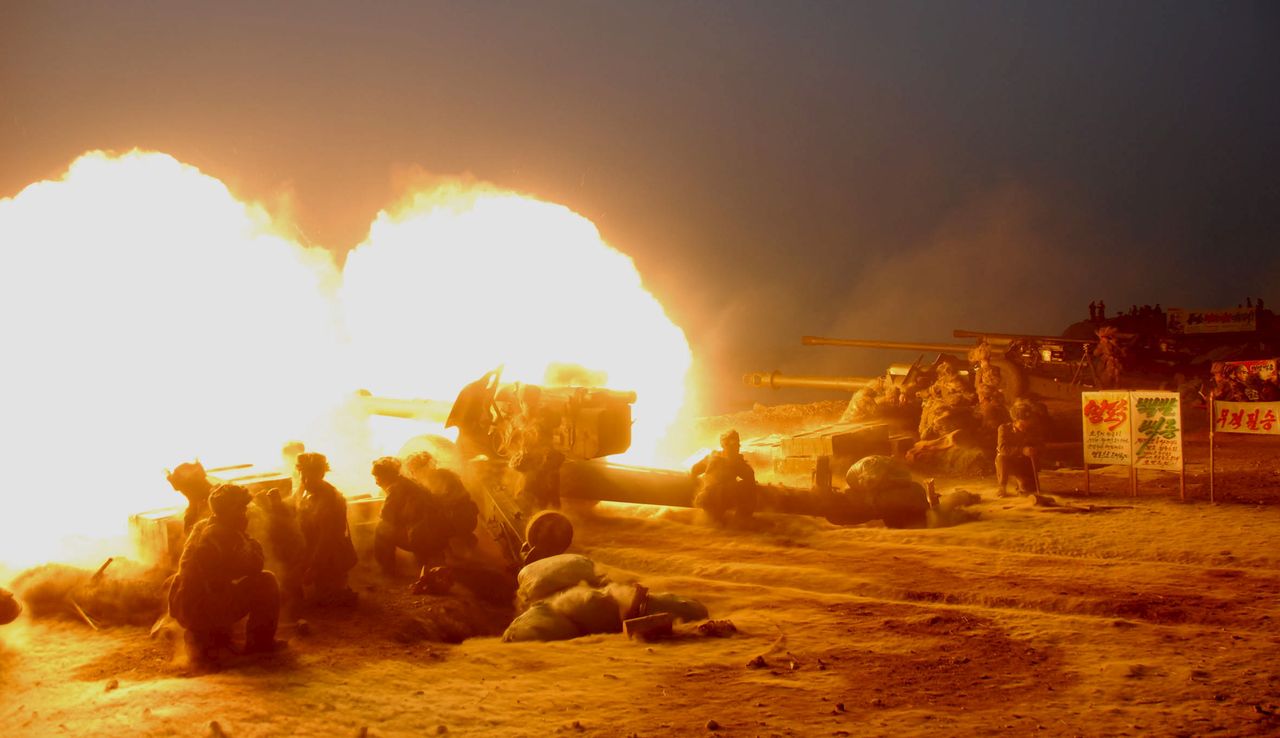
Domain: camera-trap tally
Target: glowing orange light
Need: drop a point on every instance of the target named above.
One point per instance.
(149, 318)
(464, 279)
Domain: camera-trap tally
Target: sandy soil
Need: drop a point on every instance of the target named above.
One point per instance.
(1153, 617)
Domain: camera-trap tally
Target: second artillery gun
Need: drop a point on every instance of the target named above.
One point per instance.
(586, 426)
(1046, 366)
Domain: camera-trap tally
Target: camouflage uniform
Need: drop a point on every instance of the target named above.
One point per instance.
(329, 554)
(274, 522)
(220, 580)
(535, 456)
(1011, 461)
(727, 481)
(449, 494)
(1110, 356)
(866, 402)
(947, 404)
(408, 519)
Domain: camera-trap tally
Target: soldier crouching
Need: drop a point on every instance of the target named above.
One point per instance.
(328, 554)
(727, 481)
(1017, 448)
(409, 520)
(220, 580)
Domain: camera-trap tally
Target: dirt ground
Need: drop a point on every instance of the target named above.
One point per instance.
(1145, 616)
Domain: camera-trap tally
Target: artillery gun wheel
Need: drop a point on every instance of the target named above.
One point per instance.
(1012, 379)
(549, 533)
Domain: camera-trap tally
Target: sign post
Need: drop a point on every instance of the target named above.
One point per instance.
(1256, 418)
(1157, 432)
(1141, 429)
(1107, 430)
(1212, 423)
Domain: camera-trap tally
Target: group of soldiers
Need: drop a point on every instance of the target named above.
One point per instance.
(960, 406)
(941, 399)
(224, 574)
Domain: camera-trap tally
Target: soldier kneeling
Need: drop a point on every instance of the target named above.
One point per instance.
(220, 580)
(1017, 447)
(410, 520)
(727, 481)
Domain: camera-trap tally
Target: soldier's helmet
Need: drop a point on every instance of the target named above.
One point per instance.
(386, 467)
(312, 463)
(229, 500)
(419, 462)
(1022, 410)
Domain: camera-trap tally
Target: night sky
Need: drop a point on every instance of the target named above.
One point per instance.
(887, 170)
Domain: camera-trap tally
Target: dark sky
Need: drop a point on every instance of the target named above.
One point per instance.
(889, 170)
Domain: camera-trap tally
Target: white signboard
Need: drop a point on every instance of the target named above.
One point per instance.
(1246, 417)
(1157, 430)
(1107, 438)
(1232, 320)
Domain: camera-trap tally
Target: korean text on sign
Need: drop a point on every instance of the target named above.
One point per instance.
(1246, 417)
(1157, 432)
(1107, 428)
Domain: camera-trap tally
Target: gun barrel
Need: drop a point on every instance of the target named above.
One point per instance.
(958, 349)
(598, 480)
(1004, 338)
(776, 380)
(393, 407)
(637, 485)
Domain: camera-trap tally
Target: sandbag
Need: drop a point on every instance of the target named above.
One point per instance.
(9, 607)
(540, 623)
(903, 504)
(545, 577)
(591, 610)
(682, 608)
(874, 472)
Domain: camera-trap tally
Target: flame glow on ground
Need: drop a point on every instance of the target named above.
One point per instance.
(148, 317)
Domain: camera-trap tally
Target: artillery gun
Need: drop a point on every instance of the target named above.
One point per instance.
(587, 426)
(592, 424)
(1047, 366)
(1159, 345)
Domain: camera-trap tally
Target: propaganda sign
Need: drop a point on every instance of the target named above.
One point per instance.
(1157, 430)
(1246, 417)
(1232, 320)
(1253, 376)
(1107, 438)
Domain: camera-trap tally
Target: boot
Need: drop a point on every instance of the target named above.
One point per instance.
(261, 643)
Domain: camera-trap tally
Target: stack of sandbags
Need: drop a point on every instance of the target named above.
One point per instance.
(884, 484)
(564, 597)
(545, 577)
(9, 607)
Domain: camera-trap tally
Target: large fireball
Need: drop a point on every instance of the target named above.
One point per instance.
(147, 318)
(466, 278)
